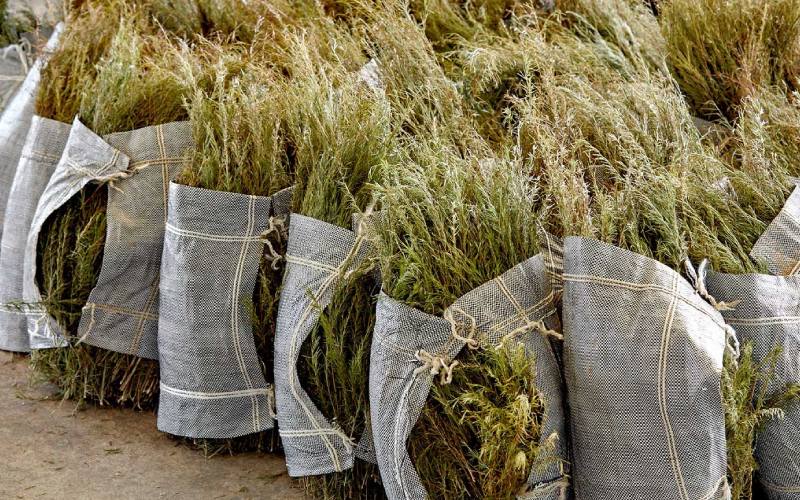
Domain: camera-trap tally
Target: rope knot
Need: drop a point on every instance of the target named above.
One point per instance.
(470, 340)
(698, 278)
(437, 365)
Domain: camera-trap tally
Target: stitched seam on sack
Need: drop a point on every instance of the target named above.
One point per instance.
(578, 278)
(151, 299)
(795, 270)
(39, 155)
(662, 391)
(210, 237)
(396, 454)
(235, 289)
(774, 320)
(311, 263)
(294, 354)
(123, 311)
(778, 488)
(309, 432)
(214, 395)
(156, 162)
(164, 169)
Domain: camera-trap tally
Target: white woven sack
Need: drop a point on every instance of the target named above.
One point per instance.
(117, 159)
(42, 150)
(642, 360)
(319, 257)
(15, 122)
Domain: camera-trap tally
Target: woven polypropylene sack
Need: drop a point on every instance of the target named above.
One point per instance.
(501, 310)
(13, 70)
(121, 313)
(779, 245)
(642, 361)
(212, 384)
(42, 150)
(86, 158)
(767, 314)
(318, 257)
(15, 122)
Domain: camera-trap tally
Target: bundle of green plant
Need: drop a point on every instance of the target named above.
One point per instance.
(450, 224)
(747, 410)
(420, 93)
(622, 162)
(722, 51)
(764, 150)
(339, 131)
(237, 111)
(127, 90)
(616, 39)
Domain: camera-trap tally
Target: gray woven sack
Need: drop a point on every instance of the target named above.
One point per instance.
(15, 122)
(642, 361)
(212, 384)
(121, 313)
(42, 150)
(779, 246)
(319, 256)
(117, 159)
(409, 347)
(767, 313)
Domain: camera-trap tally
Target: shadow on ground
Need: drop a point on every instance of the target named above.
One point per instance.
(50, 449)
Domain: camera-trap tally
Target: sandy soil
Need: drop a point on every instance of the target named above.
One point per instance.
(50, 449)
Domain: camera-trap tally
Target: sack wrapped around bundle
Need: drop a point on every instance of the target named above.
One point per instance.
(765, 312)
(410, 349)
(40, 155)
(15, 122)
(117, 159)
(212, 382)
(643, 359)
(121, 314)
(319, 257)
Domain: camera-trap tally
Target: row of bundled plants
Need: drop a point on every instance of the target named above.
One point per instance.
(481, 125)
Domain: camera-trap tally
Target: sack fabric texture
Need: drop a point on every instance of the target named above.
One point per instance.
(212, 383)
(13, 70)
(779, 246)
(121, 313)
(88, 158)
(42, 150)
(15, 122)
(642, 361)
(766, 313)
(319, 257)
(410, 347)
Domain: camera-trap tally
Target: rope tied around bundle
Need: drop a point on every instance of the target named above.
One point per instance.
(538, 326)
(698, 279)
(470, 340)
(110, 179)
(437, 365)
(276, 226)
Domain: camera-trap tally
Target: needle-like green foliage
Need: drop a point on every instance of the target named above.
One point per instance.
(721, 51)
(123, 90)
(748, 407)
(451, 223)
(342, 141)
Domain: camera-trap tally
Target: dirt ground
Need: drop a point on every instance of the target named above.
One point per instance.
(49, 449)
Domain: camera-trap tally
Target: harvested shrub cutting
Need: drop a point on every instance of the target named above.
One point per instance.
(450, 224)
(747, 409)
(722, 51)
(341, 137)
(237, 119)
(119, 87)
